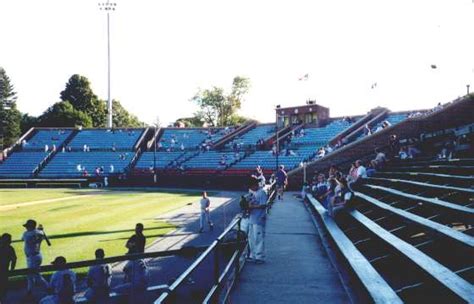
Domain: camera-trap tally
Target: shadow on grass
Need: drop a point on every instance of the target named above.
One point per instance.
(148, 236)
(88, 233)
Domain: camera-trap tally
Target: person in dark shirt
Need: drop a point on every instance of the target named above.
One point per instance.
(136, 243)
(7, 262)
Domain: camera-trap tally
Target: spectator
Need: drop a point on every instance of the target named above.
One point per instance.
(257, 221)
(112, 168)
(62, 284)
(394, 145)
(33, 238)
(367, 130)
(332, 171)
(327, 197)
(136, 243)
(205, 204)
(341, 199)
(135, 281)
(7, 262)
(99, 278)
(361, 171)
(380, 159)
(413, 152)
(281, 181)
(46, 148)
(321, 187)
(352, 175)
(84, 148)
(261, 178)
(402, 154)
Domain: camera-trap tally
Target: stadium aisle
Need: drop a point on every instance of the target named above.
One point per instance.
(297, 269)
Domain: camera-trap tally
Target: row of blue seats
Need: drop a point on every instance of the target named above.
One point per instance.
(42, 138)
(73, 164)
(109, 139)
(21, 164)
(160, 159)
(251, 137)
(322, 135)
(212, 160)
(189, 138)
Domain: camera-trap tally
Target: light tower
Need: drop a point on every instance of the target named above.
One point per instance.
(108, 7)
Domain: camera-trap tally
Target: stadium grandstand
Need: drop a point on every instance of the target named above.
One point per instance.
(405, 236)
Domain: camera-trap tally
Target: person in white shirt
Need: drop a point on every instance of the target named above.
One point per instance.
(62, 285)
(257, 222)
(99, 278)
(205, 204)
(361, 171)
(33, 238)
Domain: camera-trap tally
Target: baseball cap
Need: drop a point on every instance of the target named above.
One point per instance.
(60, 260)
(30, 223)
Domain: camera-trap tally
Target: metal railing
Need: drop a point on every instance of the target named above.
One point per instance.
(214, 250)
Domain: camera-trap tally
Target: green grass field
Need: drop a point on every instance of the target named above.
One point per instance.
(80, 221)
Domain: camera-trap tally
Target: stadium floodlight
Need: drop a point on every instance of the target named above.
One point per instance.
(277, 146)
(108, 7)
(467, 88)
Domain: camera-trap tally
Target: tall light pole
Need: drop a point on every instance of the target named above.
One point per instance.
(277, 146)
(108, 7)
(467, 87)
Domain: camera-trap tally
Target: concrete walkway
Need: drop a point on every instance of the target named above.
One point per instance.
(297, 269)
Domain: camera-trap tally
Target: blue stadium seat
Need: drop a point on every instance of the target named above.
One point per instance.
(251, 137)
(65, 164)
(163, 159)
(21, 164)
(48, 137)
(106, 139)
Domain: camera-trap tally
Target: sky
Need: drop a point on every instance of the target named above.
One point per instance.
(162, 52)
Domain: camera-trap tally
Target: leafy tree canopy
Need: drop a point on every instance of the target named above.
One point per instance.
(217, 108)
(63, 114)
(9, 115)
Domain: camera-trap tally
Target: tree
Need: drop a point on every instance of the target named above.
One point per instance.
(79, 93)
(216, 108)
(9, 115)
(63, 114)
(189, 122)
(122, 118)
(27, 122)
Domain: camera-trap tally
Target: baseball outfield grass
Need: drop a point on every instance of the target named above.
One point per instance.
(80, 221)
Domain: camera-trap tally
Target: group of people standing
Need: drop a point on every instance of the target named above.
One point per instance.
(62, 285)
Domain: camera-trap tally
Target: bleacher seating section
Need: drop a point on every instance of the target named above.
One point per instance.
(163, 159)
(211, 160)
(65, 164)
(321, 135)
(190, 138)
(46, 137)
(251, 137)
(21, 164)
(105, 139)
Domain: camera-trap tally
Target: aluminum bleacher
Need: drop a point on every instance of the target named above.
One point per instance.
(163, 159)
(212, 160)
(321, 135)
(251, 137)
(45, 137)
(21, 164)
(106, 139)
(66, 164)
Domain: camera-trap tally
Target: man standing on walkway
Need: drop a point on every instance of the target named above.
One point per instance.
(281, 181)
(33, 238)
(205, 216)
(257, 221)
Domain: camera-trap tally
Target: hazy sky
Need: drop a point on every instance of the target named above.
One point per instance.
(163, 51)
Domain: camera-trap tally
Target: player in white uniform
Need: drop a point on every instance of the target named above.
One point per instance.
(205, 216)
(33, 238)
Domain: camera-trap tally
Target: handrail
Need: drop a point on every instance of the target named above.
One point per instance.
(353, 127)
(142, 137)
(376, 118)
(113, 259)
(6, 152)
(198, 261)
(244, 128)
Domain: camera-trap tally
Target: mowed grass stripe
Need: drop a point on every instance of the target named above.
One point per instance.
(79, 226)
